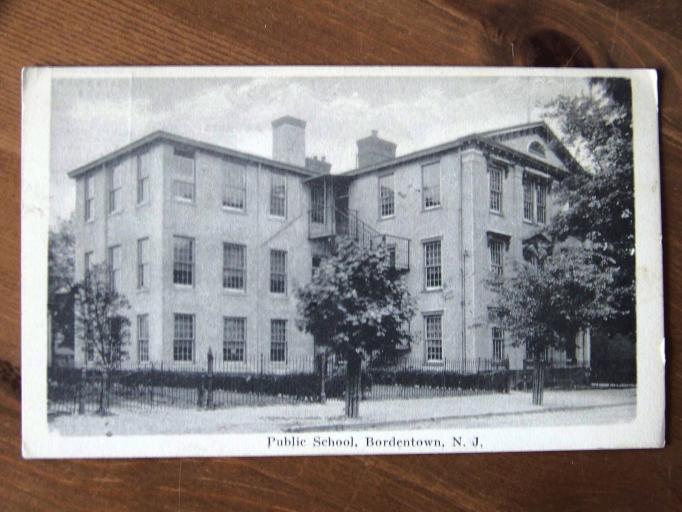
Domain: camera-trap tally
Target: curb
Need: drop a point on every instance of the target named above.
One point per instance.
(375, 424)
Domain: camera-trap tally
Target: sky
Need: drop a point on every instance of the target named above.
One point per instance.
(91, 117)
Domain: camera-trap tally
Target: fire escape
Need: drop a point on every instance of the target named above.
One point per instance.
(327, 222)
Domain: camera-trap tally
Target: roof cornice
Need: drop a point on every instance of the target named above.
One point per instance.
(475, 140)
(159, 136)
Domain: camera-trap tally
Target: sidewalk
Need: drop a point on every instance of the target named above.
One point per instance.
(564, 407)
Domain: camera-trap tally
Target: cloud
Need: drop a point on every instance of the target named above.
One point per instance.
(93, 117)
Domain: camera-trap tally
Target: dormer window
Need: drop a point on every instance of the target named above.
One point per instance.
(537, 149)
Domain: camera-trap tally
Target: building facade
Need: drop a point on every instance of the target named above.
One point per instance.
(208, 244)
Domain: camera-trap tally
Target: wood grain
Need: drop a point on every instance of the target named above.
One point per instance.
(484, 32)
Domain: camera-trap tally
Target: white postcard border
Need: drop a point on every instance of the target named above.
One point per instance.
(645, 431)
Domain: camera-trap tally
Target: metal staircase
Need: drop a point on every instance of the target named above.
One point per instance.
(326, 222)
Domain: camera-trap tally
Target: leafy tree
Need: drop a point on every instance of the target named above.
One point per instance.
(60, 272)
(100, 315)
(61, 258)
(357, 304)
(546, 305)
(600, 202)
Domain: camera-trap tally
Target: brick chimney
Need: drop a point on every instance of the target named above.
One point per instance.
(320, 166)
(373, 150)
(288, 140)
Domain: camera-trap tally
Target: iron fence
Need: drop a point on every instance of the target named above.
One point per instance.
(253, 381)
(614, 373)
(258, 381)
(575, 375)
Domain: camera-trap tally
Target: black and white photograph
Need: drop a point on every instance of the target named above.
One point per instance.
(269, 261)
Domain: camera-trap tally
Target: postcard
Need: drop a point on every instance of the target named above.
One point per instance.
(260, 261)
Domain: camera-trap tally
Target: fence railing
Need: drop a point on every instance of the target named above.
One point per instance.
(614, 373)
(324, 221)
(250, 381)
(572, 374)
(258, 381)
(398, 248)
(449, 377)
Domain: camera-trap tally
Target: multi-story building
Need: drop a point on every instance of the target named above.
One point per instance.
(208, 243)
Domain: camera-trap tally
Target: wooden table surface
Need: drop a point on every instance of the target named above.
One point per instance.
(609, 33)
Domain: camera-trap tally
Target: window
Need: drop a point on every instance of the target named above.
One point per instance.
(431, 185)
(528, 200)
(278, 194)
(432, 265)
(495, 176)
(498, 343)
(535, 200)
(183, 260)
(89, 350)
(434, 337)
(234, 266)
(183, 337)
(114, 267)
(143, 338)
(496, 256)
(115, 181)
(536, 148)
(234, 338)
(184, 176)
(278, 340)
(116, 332)
(317, 261)
(391, 248)
(278, 271)
(234, 191)
(143, 263)
(143, 164)
(533, 260)
(386, 196)
(89, 204)
(545, 354)
(541, 202)
(87, 263)
(317, 213)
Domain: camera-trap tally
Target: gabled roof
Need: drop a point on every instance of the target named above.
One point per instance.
(490, 140)
(177, 139)
(540, 128)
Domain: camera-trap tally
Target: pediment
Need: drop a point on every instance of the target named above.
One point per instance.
(537, 141)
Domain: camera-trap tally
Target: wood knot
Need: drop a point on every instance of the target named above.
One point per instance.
(10, 377)
(550, 48)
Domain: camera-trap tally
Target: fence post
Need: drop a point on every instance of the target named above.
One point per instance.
(323, 376)
(151, 387)
(507, 375)
(209, 397)
(81, 392)
(260, 380)
(200, 390)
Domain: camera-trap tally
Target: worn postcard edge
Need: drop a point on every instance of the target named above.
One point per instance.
(647, 430)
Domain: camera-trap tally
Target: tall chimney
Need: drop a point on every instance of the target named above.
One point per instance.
(288, 140)
(373, 150)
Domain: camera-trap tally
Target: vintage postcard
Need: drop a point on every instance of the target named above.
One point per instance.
(340, 260)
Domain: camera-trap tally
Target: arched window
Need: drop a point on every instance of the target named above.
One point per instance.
(536, 148)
